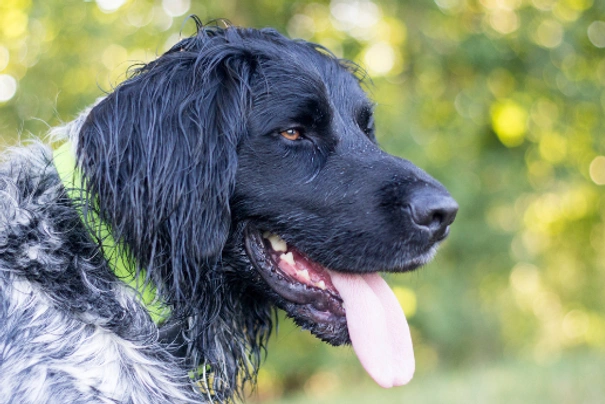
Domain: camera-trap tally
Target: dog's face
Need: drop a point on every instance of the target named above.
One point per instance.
(316, 192)
(242, 171)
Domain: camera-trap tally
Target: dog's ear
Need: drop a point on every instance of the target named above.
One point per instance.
(159, 155)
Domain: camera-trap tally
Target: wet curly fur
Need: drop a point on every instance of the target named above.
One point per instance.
(180, 160)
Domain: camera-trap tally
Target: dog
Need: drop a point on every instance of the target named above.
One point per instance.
(143, 257)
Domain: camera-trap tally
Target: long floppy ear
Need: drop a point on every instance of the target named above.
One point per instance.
(159, 157)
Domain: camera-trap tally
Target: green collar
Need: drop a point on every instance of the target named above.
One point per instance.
(65, 163)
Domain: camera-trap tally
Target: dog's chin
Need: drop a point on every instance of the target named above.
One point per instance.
(303, 287)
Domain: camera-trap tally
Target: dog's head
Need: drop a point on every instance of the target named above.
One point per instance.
(241, 170)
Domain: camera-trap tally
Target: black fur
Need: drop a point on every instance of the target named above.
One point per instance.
(184, 160)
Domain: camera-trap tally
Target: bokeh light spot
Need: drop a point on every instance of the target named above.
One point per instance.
(161, 20)
(596, 34)
(109, 6)
(577, 203)
(113, 55)
(543, 5)
(579, 5)
(354, 15)
(175, 8)
(549, 34)
(553, 147)
(448, 4)
(525, 278)
(13, 23)
(565, 12)
(595, 334)
(8, 87)
(509, 121)
(575, 324)
(139, 19)
(597, 170)
(379, 58)
(501, 4)
(301, 26)
(504, 21)
(407, 300)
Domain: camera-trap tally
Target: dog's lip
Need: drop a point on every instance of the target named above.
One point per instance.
(324, 305)
(373, 322)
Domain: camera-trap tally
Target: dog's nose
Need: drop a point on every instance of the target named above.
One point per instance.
(434, 210)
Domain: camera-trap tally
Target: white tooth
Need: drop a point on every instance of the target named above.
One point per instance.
(321, 285)
(277, 243)
(288, 257)
(304, 274)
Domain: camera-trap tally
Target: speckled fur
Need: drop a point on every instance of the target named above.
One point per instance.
(71, 332)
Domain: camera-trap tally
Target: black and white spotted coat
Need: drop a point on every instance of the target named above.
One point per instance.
(70, 331)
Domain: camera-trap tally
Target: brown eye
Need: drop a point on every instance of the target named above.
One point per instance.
(291, 134)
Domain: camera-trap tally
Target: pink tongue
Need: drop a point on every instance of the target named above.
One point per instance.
(377, 326)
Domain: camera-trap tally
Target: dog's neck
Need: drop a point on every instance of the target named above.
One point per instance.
(65, 163)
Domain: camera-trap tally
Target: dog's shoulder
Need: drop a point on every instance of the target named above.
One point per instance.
(70, 329)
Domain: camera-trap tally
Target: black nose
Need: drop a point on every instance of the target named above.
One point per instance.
(434, 210)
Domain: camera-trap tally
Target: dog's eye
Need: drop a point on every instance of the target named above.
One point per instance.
(291, 134)
(365, 120)
(369, 125)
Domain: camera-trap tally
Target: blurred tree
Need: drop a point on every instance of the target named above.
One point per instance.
(501, 100)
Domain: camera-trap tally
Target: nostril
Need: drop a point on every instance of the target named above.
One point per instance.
(423, 216)
(437, 219)
(433, 211)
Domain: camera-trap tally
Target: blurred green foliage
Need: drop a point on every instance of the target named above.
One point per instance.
(501, 100)
(572, 380)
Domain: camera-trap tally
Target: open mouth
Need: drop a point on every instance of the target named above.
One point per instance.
(306, 286)
(294, 276)
(338, 307)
